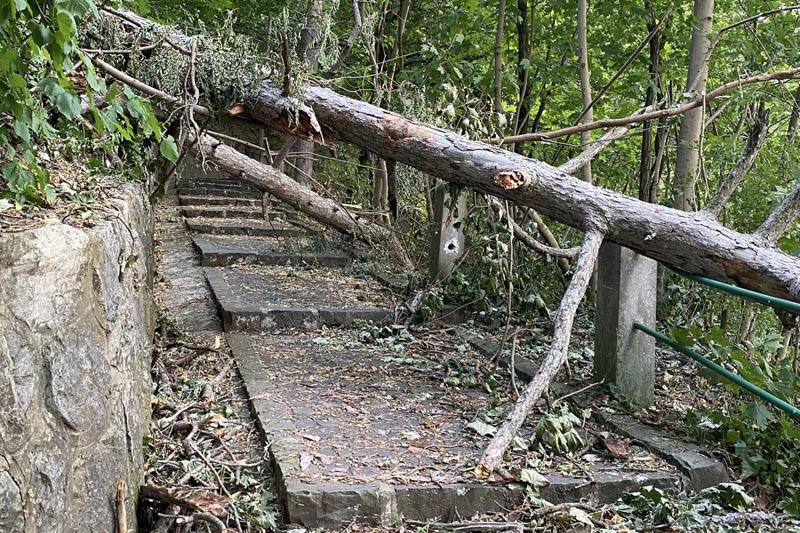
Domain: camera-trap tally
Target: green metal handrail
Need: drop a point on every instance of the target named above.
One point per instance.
(745, 293)
(788, 305)
(758, 391)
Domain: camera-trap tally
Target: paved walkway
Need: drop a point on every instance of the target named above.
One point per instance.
(364, 421)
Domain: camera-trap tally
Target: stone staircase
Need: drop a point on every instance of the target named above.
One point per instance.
(361, 424)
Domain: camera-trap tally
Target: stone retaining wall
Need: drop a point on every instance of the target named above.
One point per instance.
(76, 325)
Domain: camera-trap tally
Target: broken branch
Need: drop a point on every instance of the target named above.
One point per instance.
(728, 184)
(555, 359)
(530, 242)
(781, 219)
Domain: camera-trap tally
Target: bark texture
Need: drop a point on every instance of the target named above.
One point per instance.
(695, 243)
(688, 155)
(782, 218)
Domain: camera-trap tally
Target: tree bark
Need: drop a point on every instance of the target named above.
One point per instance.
(782, 218)
(688, 155)
(555, 359)
(586, 85)
(288, 191)
(695, 243)
(498, 57)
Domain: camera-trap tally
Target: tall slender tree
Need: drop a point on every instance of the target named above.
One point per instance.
(691, 131)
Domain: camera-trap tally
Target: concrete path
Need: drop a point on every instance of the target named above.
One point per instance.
(365, 422)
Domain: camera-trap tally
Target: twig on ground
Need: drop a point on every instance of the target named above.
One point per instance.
(122, 518)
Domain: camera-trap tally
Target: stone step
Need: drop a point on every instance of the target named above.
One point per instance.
(222, 212)
(256, 228)
(230, 250)
(262, 299)
(218, 182)
(217, 191)
(189, 200)
(364, 432)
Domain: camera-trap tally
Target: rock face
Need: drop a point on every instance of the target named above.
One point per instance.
(76, 325)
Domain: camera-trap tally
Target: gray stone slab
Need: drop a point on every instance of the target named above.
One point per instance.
(216, 182)
(218, 191)
(289, 380)
(192, 200)
(222, 212)
(250, 301)
(217, 251)
(256, 228)
(701, 471)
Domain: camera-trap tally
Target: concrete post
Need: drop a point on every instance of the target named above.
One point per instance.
(626, 293)
(447, 237)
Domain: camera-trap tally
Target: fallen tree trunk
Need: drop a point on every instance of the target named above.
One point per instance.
(287, 190)
(269, 179)
(693, 242)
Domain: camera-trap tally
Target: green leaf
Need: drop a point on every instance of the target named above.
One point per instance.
(21, 130)
(97, 84)
(68, 104)
(40, 33)
(79, 8)
(66, 24)
(169, 149)
(760, 414)
(51, 87)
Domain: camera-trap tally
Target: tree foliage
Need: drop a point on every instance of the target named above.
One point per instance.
(47, 85)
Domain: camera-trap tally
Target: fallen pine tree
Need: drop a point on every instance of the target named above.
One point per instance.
(695, 242)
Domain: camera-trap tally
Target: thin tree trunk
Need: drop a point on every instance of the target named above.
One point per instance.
(523, 58)
(794, 118)
(688, 156)
(647, 191)
(498, 57)
(586, 86)
(552, 363)
(380, 198)
(391, 191)
(304, 158)
(405, 6)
